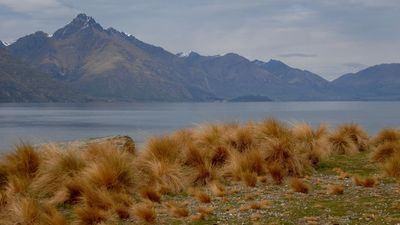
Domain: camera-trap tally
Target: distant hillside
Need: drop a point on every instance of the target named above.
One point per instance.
(306, 85)
(231, 76)
(108, 65)
(380, 82)
(21, 83)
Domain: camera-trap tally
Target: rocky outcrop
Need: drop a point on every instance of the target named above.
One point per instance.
(123, 143)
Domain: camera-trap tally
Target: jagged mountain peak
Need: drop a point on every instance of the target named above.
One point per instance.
(276, 64)
(82, 22)
(29, 42)
(2, 45)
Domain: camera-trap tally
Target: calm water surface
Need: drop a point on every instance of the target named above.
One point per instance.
(39, 123)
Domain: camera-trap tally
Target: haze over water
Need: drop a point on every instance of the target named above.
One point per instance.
(38, 123)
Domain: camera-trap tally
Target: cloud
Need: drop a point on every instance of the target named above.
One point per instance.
(290, 55)
(353, 65)
(38, 8)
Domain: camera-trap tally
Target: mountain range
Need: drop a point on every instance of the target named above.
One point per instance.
(85, 62)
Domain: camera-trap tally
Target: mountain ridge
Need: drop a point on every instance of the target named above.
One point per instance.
(109, 65)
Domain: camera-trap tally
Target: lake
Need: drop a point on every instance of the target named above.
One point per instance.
(38, 123)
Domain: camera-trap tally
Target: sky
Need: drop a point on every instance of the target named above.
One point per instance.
(327, 37)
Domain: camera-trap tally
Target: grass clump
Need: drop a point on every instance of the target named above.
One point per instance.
(202, 196)
(335, 189)
(357, 135)
(386, 135)
(311, 144)
(385, 151)
(177, 209)
(392, 165)
(145, 213)
(297, 185)
(342, 144)
(365, 181)
(280, 151)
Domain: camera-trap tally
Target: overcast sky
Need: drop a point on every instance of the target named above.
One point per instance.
(328, 37)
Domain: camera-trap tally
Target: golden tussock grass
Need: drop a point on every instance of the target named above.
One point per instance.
(298, 185)
(219, 156)
(201, 174)
(281, 151)
(177, 209)
(262, 204)
(150, 194)
(122, 211)
(385, 151)
(271, 128)
(249, 178)
(201, 196)
(342, 144)
(3, 175)
(3, 199)
(166, 177)
(17, 185)
(217, 189)
(246, 166)
(386, 135)
(192, 156)
(90, 215)
(51, 216)
(392, 165)
(242, 138)
(27, 210)
(356, 133)
(262, 179)
(208, 135)
(113, 172)
(145, 213)
(57, 167)
(276, 172)
(365, 181)
(100, 183)
(311, 144)
(335, 189)
(164, 148)
(70, 192)
(97, 198)
(24, 162)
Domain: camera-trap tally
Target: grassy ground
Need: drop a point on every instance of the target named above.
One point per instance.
(357, 205)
